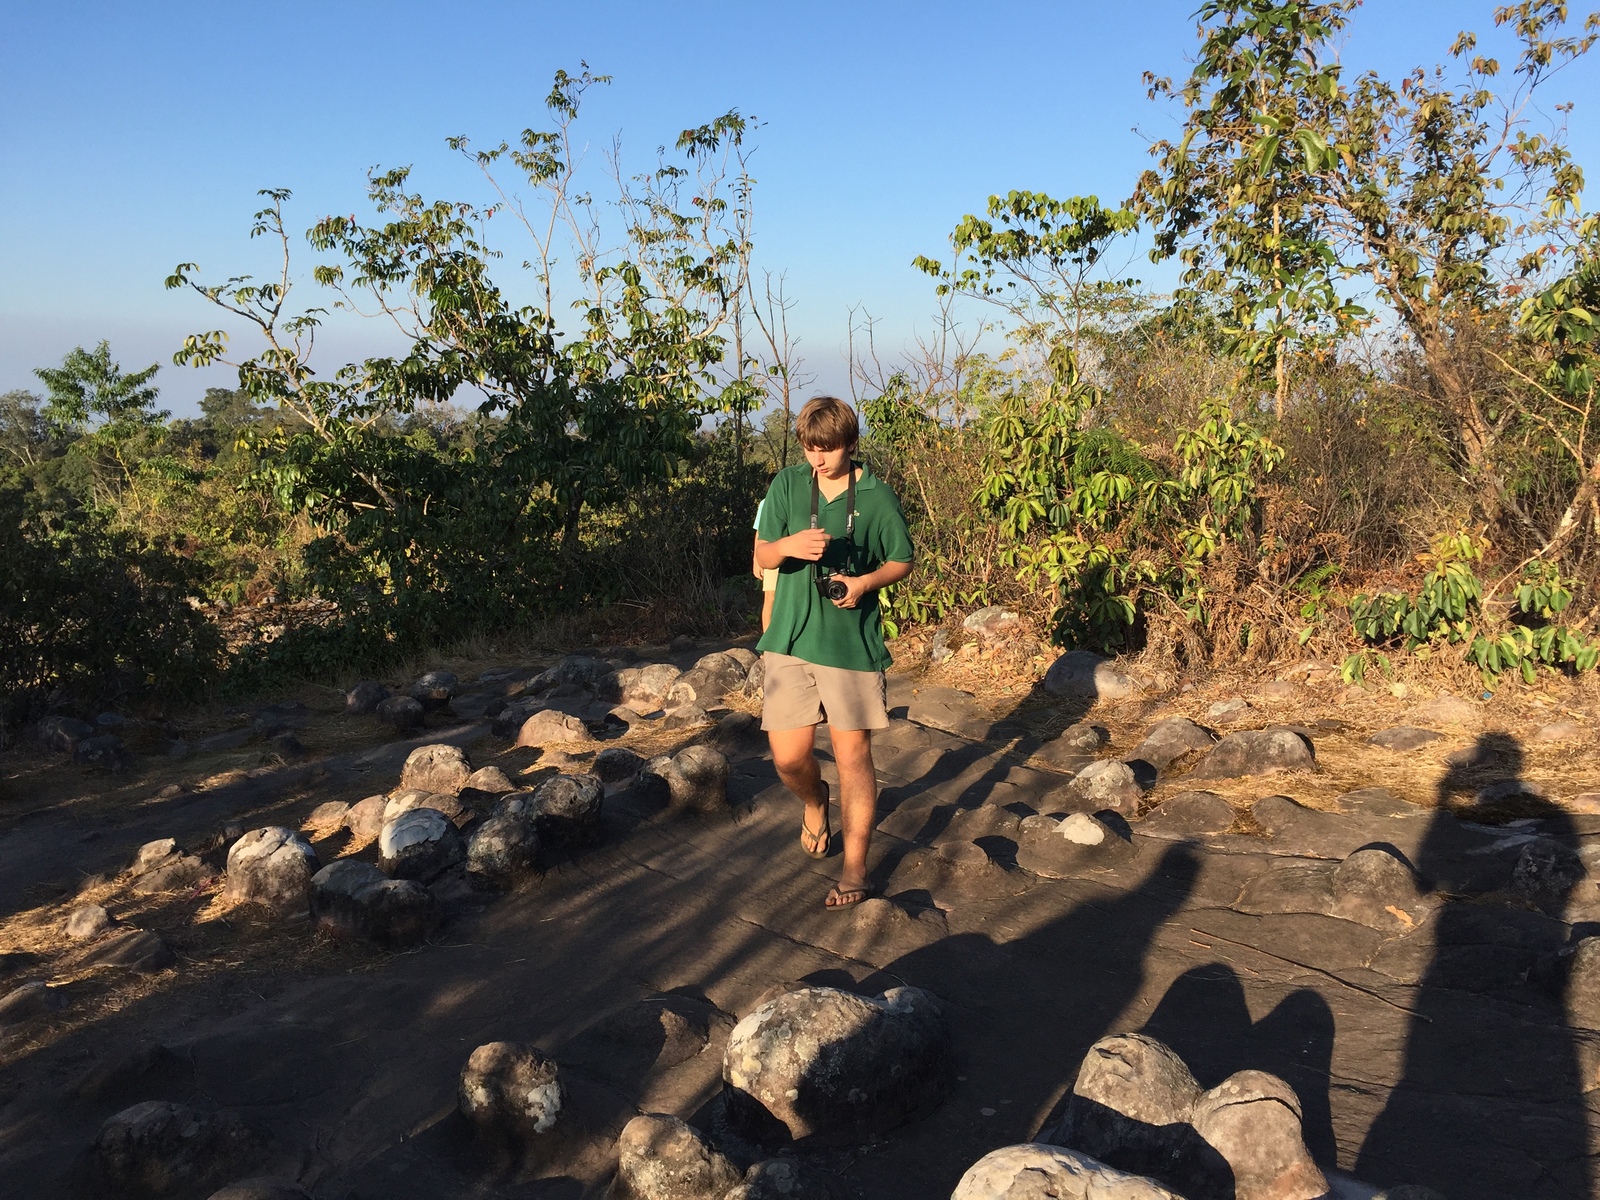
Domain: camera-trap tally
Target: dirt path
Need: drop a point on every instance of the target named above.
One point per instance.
(1436, 1055)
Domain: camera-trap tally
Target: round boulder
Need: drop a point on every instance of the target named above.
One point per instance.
(505, 846)
(510, 1088)
(162, 1147)
(439, 768)
(1034, 1171)
(833, 1067)
(1546, 873)
(364, 698)
(271, 867)
(87, 921)
(1082, 675)
(1376, 889)
(420, 844)
(567, 809)
(548, 727)
(1108, 784)
(355, 899)
(365, 818)
(642, 689)
(434, 689)
(1063, 847)
(1130, 1099)
(697, 778)
(661, 1158)
(617, 763)
(490, 779)
(1252, 1119)
(403, 713)
(1257, 752)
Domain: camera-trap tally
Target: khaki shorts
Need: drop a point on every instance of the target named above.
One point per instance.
(769, 579)
(798, 694)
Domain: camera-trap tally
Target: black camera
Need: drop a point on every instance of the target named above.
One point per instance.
(831, 587)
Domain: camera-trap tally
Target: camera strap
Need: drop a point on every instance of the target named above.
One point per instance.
(850, 511)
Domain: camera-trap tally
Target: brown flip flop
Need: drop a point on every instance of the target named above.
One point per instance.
(839, 897)
(820, 843)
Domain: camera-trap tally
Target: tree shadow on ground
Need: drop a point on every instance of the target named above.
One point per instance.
(1490, 1089)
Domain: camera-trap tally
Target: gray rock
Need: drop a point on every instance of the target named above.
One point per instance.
(834, 1067)
(1257, 752)
(434, 689)
(661, 1158)
(548, 727)
(28, 1002)
(1510, 793)
(1376, 889)
(568, 810)
(939, 647)
(87, 921)
(510, 1088)
(993, 623)
(617, 763)
(1073, 747)
(510, 718)
(63, 733)
(780, 1179)
(1252, 1119)
(686, 716)
(152, 854)
(354, 899)
(954, 872)
(439, 768)
(642, 689)
(1559, 731)
(475, 706)
(104, 751)
(365, 818)
(1188, 814)
(583, 671)
(271, 867)
(738, 729)
(420, 844)
(1291, 888)
(1082, 675)
(696, 778)
(490, 779)
(713, 677)
(1065, 848)
(403, 713)
(1108, 784)
(1583, 984)
(505, 847)
(162, 1147)
(1128, 1104)
(1404, 738)
(327, 817)
(139, 950)
(1168, 740)
(755, 679)
(745, 658)
(176, 872)
(1034, 1171)
(1229, 712)
(364, 698)
(1546, 874)
(1446, 709)
(412, 798)
(262, 1188)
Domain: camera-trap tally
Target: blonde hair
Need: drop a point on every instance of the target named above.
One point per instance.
(827, 423)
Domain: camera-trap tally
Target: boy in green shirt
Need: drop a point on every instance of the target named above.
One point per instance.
(836, 534)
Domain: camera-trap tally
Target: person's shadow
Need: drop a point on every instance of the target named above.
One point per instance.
(1490, 1091)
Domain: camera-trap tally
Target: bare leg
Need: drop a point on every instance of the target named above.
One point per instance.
(792, 754)
(858, 800)
(767, 601)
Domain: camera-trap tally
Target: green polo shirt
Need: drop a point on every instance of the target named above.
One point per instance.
(803, 623)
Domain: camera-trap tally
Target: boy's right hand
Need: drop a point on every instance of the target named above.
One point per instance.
(808, 545)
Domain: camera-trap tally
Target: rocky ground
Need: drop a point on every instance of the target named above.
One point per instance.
(1264, 938)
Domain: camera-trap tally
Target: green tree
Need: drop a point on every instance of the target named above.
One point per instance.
(1430, 194)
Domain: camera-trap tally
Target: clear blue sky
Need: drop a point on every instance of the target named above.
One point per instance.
(134, 136)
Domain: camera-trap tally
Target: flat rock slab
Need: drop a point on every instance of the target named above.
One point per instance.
(960, 713)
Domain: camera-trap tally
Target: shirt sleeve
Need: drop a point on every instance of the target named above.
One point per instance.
(759, 507)
(772, 517)
(893, 538)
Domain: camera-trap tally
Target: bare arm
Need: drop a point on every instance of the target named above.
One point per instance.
(807, 545)
(857, 586)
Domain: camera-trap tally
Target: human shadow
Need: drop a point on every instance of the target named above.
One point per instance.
(1204, 1018)
(1023, 1013)
(1490, 1091)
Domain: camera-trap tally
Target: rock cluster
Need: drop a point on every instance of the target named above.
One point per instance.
(1135, 1106)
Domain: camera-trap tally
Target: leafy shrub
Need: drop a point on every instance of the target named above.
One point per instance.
(95, 616)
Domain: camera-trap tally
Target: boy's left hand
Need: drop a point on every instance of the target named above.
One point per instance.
(855, 588)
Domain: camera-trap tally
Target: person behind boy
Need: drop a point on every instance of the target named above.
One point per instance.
(829, 521)
(769, 579)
